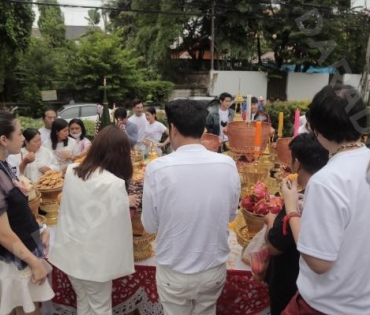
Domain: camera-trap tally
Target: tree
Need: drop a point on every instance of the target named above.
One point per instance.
(93, 17)
(42, 67)
(51, 23)
(15, 30)
(98, 56)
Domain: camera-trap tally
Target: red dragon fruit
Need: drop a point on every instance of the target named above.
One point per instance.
(260, 191)
(247, 202)
(275, 204)
(261, 207)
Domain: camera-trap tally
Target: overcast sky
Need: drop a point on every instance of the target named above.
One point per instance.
(75, 16)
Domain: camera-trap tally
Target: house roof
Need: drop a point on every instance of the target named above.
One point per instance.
(73, 32)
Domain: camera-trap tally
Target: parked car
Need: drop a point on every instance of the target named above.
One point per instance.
(81, 111)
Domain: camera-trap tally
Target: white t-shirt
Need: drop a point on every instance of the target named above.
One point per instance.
(154, 132)
(71, 147)
(141, 123)
(189, 198)
(335, 227)
(45, 134)
(224, 117)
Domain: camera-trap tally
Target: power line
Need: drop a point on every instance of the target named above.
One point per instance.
(223, 7)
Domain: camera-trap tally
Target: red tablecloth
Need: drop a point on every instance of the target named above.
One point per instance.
(241, 295)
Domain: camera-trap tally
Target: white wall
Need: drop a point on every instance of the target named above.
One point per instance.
(352, 79)
(301, 86)
(251, 82)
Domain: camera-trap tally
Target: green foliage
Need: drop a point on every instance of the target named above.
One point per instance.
(51, 23)
(41, 68)
(100, 55)
(155, 92)
(27, 122)
(90, 127)
(15, 28)
(288, 108)
(93, 17)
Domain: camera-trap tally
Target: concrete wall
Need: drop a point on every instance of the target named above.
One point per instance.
(251, 82)
(352, 79)
(301, 86)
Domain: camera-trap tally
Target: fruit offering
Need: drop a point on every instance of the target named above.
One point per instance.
(50, 180)
(292, 177)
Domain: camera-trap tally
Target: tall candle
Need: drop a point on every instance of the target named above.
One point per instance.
(280, 125)
(258, 138)
(297, 114)
(249, 107)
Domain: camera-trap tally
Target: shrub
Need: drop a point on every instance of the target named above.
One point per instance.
(288, 108)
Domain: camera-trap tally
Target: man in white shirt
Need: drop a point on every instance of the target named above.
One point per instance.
(48, 118)
(334, 231)
(139, 119)
(189, 198)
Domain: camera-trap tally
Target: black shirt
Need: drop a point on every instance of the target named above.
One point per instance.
(283, 269)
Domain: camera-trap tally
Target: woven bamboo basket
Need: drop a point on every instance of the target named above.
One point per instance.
(242, 236)
(137, 226)
(283, 153)
(143, 247)
(50, 195)
(254, 222)
(35, 203)
(242, 136)
(211, 142)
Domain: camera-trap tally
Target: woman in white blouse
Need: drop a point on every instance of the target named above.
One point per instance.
(64, 148)
(35, 159)
(154, 131)
(93, 242)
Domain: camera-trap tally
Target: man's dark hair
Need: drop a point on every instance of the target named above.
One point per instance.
(188, 116)
(309, 152)
(135, 102)
(224, 95)
(48, 109)
(254, 100)
(120, 112)
(338, 113)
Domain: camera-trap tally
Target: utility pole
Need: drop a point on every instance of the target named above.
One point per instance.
(212, 35)
(365, 75)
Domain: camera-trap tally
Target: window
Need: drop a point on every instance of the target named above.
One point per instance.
(88, 110)
(70, 113)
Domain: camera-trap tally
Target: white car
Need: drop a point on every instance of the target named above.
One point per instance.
(81, 111)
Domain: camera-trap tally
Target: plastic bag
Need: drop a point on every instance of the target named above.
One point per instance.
(257, 255)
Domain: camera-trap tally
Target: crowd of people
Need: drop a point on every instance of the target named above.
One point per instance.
(318, 242)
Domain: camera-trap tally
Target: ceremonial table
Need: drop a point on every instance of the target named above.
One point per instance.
(242, 295)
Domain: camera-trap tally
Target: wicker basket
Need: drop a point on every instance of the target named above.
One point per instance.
(242, 235)
(283, 153)
(50, 195)
(137, 226)
(143, 247)
(35, 203)
(242, 136)
(254, 222)
(211, 142)
(252, 174)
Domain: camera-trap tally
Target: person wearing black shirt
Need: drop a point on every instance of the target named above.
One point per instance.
(308, 156)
